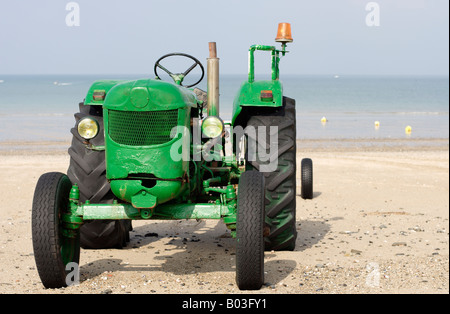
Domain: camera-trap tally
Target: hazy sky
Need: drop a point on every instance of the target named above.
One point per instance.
(126, 37)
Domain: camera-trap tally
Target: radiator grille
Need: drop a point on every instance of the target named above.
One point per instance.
(141, 128)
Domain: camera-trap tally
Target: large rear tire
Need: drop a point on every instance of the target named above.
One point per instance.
(52, 250)
(249, 231)
(88, 170)
(280, 186)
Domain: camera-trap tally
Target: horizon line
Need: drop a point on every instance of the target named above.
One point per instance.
(337, 75)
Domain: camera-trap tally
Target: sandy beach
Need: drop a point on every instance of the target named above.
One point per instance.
(378, 223)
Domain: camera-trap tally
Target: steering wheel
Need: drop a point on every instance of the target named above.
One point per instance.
(179, 77)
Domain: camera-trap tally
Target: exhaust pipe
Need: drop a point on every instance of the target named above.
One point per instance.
(213, 81)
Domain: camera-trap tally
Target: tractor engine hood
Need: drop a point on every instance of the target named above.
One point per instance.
(139, 119)
(148, 95)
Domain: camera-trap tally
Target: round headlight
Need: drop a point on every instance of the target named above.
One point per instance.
(88, 128)
(212, 127)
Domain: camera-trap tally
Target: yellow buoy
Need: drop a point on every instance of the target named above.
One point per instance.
(324, 120)
(377, 124)
(408, 129)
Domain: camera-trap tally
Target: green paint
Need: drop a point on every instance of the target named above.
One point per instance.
(143, 199)
(249, 94)
(139, 117)
(148, 95)
(101, 85)
(275, 61)
(72, 221)
(106, 211)
(125, 161)
(162, 212)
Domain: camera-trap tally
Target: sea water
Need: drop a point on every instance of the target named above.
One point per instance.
(41, 108)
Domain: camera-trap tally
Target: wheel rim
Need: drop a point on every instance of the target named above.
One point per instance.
(68, 246)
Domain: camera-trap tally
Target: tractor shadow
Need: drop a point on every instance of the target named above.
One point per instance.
(195, 247)
(310, 233)
(316, 194)
(177, 247)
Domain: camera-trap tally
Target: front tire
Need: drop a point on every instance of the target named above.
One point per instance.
(249, 232)
(52, 250)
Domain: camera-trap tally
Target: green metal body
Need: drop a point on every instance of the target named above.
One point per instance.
(133, 153)
(139, 117)
(249, 94)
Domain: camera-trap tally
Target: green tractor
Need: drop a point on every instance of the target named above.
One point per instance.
(155, 150)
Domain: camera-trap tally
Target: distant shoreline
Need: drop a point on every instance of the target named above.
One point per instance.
(375, 145)
(351, 106)
(303, 145)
